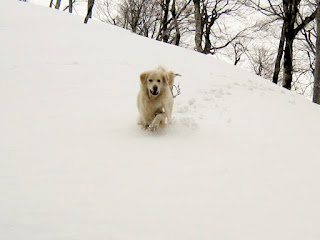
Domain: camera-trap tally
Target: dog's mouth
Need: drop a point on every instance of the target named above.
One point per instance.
(154, 93)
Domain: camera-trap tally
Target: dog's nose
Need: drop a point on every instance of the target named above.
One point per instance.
(155, 88)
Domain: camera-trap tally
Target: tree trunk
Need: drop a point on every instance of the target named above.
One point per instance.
(176, 25)
(199, 29)
(70, 6)
(291, 9)
(287, 63)
(279, 56)
(316, 89)
(58, 4)
(207, 42)
(89, 13)
(51, 2)
(165, 33)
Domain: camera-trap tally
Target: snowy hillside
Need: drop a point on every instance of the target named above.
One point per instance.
(241, 160)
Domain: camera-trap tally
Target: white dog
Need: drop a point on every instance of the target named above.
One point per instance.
(155, 100)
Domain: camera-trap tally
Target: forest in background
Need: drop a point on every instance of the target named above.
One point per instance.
(274, 39)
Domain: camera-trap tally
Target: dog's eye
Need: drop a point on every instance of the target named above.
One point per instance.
(158, 80)
(150, 80)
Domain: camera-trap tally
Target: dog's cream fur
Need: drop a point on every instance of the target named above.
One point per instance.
(155, 100)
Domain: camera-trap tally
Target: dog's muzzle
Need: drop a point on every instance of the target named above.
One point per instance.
(154, 91)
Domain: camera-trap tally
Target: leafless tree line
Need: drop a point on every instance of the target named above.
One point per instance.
(294, 17)
(70, 7)
(291, 22)
(58, 3)
(163, 20)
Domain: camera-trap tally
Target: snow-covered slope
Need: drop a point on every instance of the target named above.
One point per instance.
(240, 161)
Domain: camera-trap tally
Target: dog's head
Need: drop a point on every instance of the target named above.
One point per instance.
(154, 81)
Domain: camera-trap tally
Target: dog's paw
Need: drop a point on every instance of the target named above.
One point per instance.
(153, 127)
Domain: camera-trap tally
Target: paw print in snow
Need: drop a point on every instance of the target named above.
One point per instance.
(182, 109)
(192, 101)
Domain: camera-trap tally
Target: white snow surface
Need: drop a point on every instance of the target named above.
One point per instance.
(240, 161)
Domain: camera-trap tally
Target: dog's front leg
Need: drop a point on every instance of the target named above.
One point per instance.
(156, 122)
(159, 120)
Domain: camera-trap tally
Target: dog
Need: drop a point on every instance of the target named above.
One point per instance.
(155, 99)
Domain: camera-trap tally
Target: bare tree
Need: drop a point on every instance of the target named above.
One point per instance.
(139, 15)
(304, 58)
(164, 20)
(70, 6)
(207, 13)
(291, 9)
(316, 88)
(58, 4)
(89, 12)
(273, 11)
(106, 12)
(164, 35)
(177, 36)
(277, 65)
(239, 49)
(294, 21)
(172, 27)
(262, 60)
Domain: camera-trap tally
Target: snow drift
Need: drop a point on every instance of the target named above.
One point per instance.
(240, 161)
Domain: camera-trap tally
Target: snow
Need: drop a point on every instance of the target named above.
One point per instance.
(240, 160)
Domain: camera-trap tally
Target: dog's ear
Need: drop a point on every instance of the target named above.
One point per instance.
(165, 77)
(170, 78)
(143, 77)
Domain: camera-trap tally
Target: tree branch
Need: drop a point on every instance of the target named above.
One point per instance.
(305, 22)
